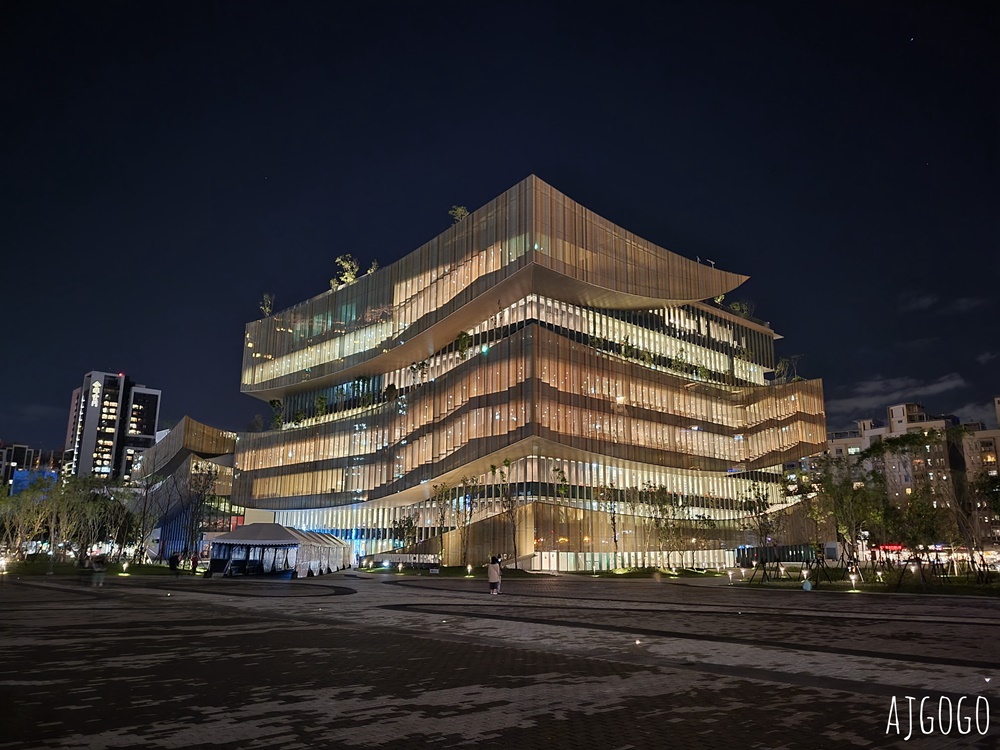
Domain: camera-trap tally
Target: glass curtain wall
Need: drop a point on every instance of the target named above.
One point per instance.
(380, 392)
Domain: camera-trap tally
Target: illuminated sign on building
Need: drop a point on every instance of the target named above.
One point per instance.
(95, 393)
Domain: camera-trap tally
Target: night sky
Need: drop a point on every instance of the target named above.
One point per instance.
(162, 164)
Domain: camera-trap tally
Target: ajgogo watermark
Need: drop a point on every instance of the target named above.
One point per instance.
(961, 715)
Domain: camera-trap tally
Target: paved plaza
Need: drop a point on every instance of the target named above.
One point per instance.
(370, 661)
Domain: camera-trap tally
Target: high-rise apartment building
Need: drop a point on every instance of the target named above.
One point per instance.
(590, 365)
(111, 421)
(969, 451)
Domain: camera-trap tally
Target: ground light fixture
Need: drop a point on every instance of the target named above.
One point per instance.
(853, 579)
(468, 569)
(124, 570)
(730, 577)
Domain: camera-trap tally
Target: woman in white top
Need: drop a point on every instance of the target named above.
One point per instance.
(493, 574)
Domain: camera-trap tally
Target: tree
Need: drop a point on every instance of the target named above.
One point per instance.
(781, 369)
(463, 343)
(458, 213)
(607, 495)
(742, 307)
(562, 484)
(508, 501)
(760, 519)
(24, 516)
(632, 497)
(277, 416)
(146, 509)
(852, 495)
(703, 523)
(348, 274)
(405, 531)
(320, 405)
(668, 516)
(102, 514)
(986, 489)
(256, 424)
(267, 304)
(196, 494)
(441, 495)
(373, 267)
(815, 507)
(68, 500)
(468, 504)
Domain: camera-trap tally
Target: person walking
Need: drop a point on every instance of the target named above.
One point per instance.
(493, 574)
(175, 563)
(194, 563)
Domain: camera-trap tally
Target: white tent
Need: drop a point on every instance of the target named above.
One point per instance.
(273, 549)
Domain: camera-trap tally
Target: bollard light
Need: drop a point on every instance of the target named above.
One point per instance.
(468, 569)
(730, 577)
(400, 567)
(853, 579)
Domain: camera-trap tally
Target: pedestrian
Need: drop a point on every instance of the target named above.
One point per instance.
(175, 563)
(98, 566)
(194, 563)
(493, 574)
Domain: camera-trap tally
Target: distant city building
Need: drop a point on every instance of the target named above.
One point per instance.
(111, 421)
(533, 355)
(14, 457)
(24, 478)
(971, 453)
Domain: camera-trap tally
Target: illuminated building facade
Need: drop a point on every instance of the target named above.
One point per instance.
(111, 421)
(532, 332)
(183, 487)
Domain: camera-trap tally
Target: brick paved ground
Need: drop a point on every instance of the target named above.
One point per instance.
(348, 661)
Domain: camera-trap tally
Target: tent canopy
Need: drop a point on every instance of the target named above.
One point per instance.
(275, 535)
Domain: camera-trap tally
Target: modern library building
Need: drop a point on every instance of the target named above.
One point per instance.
(535, 381)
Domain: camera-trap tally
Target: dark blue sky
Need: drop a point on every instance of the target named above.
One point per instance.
(164, 164)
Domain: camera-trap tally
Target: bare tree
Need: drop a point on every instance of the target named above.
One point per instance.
(147, 509)
(467, 505)
(508, 500)
(607, 496)
(195, 494)
(633, 499)
(441, 495)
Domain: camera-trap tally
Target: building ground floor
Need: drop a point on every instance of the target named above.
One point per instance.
(557, 535)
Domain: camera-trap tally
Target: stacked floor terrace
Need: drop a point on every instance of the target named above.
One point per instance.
(532, 332)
